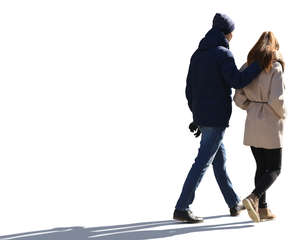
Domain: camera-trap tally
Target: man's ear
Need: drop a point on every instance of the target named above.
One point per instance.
(228, 36)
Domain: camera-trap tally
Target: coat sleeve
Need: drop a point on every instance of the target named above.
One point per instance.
(240, 99)
(188, 89)
(232, 76)
(276, 100)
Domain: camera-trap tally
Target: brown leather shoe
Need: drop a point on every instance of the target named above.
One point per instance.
(251, 204)
(265, 214)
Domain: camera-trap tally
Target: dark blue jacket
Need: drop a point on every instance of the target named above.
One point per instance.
(212, 74)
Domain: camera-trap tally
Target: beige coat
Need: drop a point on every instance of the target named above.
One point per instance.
(263, 100)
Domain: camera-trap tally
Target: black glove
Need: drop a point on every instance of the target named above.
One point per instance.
(194, 128)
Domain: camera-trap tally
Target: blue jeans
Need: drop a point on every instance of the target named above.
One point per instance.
(211, 151)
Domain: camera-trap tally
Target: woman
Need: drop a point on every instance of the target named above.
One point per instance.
(263, 100)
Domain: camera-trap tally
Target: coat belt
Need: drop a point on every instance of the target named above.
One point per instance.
(258, 102)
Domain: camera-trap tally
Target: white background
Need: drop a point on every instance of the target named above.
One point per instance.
(93, 116)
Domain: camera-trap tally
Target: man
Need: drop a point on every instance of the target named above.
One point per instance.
(212, 74)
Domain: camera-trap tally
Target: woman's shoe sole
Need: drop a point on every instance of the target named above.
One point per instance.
(266, 219)
(251, 211)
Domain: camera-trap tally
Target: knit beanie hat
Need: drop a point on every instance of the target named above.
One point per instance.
(223, 23)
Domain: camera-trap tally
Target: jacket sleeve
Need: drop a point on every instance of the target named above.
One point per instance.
(276, 101)
(232, 76)
(240, 99)
(188, 89)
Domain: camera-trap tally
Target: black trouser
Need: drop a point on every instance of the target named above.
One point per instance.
(268, 163)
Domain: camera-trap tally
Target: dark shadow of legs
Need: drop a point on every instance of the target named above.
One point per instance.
(218, 216)
(124, 232)
(129, 234)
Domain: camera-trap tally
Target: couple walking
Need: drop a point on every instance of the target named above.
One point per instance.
(259, 90)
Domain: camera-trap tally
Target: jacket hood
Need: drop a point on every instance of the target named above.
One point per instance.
(213, 38)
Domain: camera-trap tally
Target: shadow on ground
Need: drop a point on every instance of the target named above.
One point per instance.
(136, 231)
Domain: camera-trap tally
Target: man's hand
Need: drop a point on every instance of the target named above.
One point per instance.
(194, 129)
